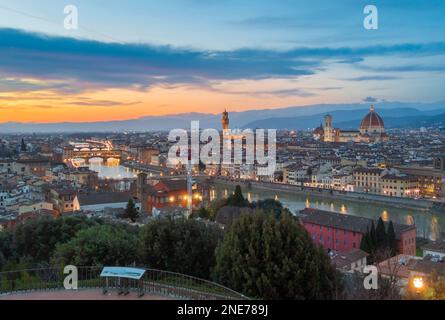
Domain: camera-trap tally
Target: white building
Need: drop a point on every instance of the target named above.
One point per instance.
(105, 200)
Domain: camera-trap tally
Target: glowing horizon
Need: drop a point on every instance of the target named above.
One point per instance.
(198, 57)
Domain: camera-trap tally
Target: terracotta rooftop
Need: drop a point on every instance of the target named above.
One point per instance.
(344, 221)
(103, 197)
(438, 246)
(341, 260)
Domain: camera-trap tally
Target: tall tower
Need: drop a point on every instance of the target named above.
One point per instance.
(327, 127)
(189, 191)
(225, 120)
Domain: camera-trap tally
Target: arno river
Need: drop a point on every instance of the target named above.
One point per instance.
(112, 170)
(428, 225)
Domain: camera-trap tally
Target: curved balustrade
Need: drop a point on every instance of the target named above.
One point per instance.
(154, 282)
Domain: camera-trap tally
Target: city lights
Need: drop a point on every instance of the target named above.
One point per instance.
(222, 150)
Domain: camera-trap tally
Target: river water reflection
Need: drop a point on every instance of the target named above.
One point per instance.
(112, 169)
(428, 225)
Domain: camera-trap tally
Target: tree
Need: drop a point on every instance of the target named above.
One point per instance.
(237, 199)
(272, 206)
(435, 288)
(373, 236)
(214, 207)
(267, 258)
(180, 245)
(131, 212)
(37, 239)
(381, 237)
(203, 213)
(392, 241)
(100, 245)
(366, 244)
(6, 248)
(2, 260)
(379, 243)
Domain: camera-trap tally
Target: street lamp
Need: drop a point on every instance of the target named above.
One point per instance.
(418, 286)
(418, 283)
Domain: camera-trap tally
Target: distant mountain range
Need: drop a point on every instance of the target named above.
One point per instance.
(346, 116)
(350, 120)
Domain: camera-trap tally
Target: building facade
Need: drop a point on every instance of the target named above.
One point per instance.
(367, 180)
(400, 186)
(343, 233)
(372, 129)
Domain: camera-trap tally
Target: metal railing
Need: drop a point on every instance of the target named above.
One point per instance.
(154, 282)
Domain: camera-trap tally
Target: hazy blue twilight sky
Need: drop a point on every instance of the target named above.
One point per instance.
(135, 58)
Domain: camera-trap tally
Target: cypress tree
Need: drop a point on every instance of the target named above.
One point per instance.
(392, 241)
(237, 199)
(365, 244)
(373, 237)
(381, 237)
(131, 212)
(267, 258)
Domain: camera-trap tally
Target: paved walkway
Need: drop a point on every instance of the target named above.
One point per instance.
(79, 295)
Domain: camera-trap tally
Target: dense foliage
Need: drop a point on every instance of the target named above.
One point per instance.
(185, 246)
(271, 206)
(112, 245)
(35, 241)
(237, 199)
(265, 254)
(180, 245)
(380, 242)
(131, 212)
(274, 259)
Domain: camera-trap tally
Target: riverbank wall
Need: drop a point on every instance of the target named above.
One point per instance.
(420, 204)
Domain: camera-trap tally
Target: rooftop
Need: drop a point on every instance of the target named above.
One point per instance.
(103, 197)
(438, 246)
(345, 222)
(341, 260)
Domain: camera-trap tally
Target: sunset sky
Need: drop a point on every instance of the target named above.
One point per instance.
(139, 58)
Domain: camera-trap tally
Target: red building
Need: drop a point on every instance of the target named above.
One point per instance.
(168, 193)
(340, 232)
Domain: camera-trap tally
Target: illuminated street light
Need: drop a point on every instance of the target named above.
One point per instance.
(418, 283)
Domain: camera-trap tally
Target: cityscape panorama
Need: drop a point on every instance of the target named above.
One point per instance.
(188, 150)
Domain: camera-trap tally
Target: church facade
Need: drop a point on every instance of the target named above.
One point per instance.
(372, 129)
